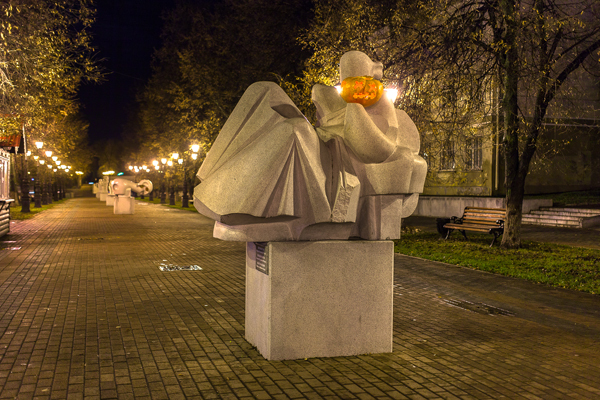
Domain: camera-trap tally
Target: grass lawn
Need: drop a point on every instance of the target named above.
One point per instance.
(16, 214)
(551, 264)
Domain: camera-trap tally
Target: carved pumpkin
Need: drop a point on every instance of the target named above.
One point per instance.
(364, 90)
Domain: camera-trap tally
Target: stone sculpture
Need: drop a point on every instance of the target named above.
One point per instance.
(296, 193)
(270, 176)
(123, 202)
(120, 185)
(103, 188)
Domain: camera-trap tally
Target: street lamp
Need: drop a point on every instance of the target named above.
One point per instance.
(79, 173)
(170, 183)
(37, 196)
(183, 161)
(49, 196)
(163, 191)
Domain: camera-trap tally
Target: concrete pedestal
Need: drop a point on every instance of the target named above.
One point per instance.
(319, 299)
(124, 205)
(110, 199)
(103, 196)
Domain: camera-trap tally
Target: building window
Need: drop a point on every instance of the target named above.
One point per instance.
(447, 159)
(474, 153)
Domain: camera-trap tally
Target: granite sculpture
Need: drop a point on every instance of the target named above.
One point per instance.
(103, 185)
(119, 187)
(122, 188)
(271, 176)
(296, 193)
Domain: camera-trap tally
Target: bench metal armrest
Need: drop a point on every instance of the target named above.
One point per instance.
(457, 220)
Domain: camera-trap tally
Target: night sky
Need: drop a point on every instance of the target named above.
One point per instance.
(126, 33)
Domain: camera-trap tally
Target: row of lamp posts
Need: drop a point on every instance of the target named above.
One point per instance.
(167, 182)
(46, 189)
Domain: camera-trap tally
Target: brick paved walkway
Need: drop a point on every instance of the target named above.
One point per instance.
(85, 312)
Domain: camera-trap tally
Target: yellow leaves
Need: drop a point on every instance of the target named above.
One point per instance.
(46, 59)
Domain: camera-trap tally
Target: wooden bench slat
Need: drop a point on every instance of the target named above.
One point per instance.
(459, 227)
(479, 221)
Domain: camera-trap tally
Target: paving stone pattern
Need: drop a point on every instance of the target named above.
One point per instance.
(85, 312)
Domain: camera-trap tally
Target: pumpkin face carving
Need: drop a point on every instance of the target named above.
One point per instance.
(364, 90)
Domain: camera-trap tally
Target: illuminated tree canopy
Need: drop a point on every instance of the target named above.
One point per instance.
(45, 54)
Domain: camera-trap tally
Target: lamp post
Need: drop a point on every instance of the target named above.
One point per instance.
(49, 196)
(37, 185)
(25, 199)
(49, 180)
(170, 184)
(43, 184)
(55, 183)
(79, 173)
(145, 169)
(60, 192)
(195, 149)
(163, 193)
(155, 166)
(184, 198)
(55, 186)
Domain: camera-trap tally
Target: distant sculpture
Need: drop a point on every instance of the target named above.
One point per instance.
(103, 188)
(119, 187)
(270, 176)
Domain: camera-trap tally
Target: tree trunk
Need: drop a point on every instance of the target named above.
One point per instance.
(514, 211)
(514, 186)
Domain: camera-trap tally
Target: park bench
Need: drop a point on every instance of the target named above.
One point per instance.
(474, 219)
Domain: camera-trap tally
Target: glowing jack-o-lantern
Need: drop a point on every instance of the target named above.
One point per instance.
(364, 90)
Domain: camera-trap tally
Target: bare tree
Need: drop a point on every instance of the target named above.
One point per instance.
(449, 55)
